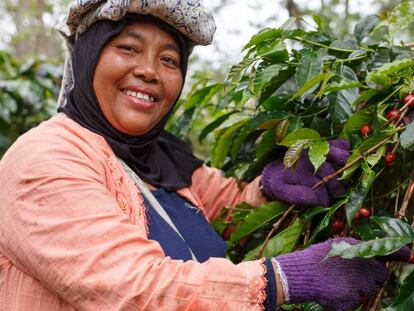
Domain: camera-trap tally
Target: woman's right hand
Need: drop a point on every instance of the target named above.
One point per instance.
(334, 282)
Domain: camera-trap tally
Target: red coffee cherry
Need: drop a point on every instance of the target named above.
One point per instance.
(390, 158)
(393, 114)
(338, 225)
(366, 129)
(364, 212)
(390, 148)
(358, 215)
(409, 99)
(411, 260)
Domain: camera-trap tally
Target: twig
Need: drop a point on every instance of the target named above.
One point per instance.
(308, 233)
(407, 197)
(350, 164)
(275, 226)
(374, 307)
(321, 182)
(391, 191)
(400, 215)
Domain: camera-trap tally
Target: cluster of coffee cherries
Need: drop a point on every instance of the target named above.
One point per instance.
(392, 114)
(338, 225)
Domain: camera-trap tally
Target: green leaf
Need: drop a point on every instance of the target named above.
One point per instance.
(363, 147)
(202, 96)
(401, 17)
(293, 154)
(223, 144)
(340, 104)
(364, 27)
(344, 84)
(257, 218)
(213, 125)
(405, 298)
(309, 66)
(375, 157)
(407, 137)
(283, 242)
(183, 122)
(267, 143)
(365, 96)
(318, 151)
(394, 227)
(367, 230)
(264, 76)
(382, 74)
(326, 220)
(320, 22)
(368, 249)
(236, 70)
(310, 84)
(300, 135)
(312, 211)
(275, 51)
(357, 196)
(253, 125)
(359, 118)
(264, 35)
(324, 84)
(281, 129)
(312, 306)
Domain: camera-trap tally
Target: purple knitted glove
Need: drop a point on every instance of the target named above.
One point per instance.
(334, 282)
(294, 185)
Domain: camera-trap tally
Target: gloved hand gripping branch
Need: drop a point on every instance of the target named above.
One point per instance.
(294, 185)
(334, 282)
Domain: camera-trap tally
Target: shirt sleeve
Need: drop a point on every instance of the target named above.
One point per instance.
(216, 191)
(61, 225)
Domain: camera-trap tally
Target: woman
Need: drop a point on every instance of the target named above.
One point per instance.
(80, 229)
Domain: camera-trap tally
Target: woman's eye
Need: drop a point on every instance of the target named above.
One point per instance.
(127, 48)
(170, 61)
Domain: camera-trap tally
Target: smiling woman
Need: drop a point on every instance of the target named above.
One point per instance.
(138, 77)
(102, 209)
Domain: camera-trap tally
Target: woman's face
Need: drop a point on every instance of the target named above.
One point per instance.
(138, 77)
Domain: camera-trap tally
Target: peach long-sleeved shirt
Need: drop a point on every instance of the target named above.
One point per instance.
(73, 233)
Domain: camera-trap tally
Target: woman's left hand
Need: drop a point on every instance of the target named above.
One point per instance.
(295, 185)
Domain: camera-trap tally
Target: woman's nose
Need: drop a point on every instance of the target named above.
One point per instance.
(145, 68)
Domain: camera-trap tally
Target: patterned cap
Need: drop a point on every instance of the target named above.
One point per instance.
(190, 17)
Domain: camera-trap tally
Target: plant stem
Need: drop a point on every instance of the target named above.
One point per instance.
(315, 113)
(372, 199)
(321, 182)
(323, 45)
(393, 265)
(374, 307)
(350, 164)
(350, 59)
(407, 197)
(308, 233)
(275, 227)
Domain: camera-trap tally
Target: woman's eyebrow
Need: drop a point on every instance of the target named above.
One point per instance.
(139, 37)
(132, 34)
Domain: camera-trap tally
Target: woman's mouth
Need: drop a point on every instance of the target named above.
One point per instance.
(139, 95)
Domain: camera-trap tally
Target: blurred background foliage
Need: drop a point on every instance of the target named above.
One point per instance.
(32, 54)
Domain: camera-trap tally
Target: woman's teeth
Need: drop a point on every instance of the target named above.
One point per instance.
(139, 95)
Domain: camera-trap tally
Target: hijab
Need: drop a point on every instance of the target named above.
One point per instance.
(158, 157)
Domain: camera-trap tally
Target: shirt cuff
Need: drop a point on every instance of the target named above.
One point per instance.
(271, 295)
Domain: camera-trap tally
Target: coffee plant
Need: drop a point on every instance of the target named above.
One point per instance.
(295, 89)
(28, 93)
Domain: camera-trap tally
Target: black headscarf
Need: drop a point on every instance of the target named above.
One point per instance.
(158, 157)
